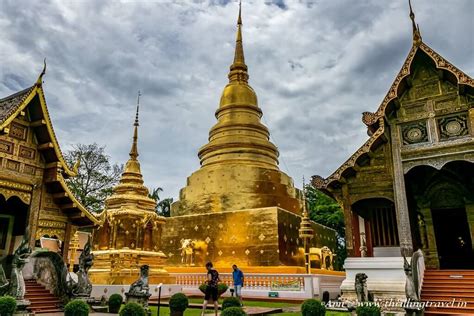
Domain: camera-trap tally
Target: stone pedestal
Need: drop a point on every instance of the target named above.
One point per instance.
(139, 298)
(385, 277)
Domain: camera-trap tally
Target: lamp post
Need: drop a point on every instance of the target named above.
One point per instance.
(158, 288)
(306, 232)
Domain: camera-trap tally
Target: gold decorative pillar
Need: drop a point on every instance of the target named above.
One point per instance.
(470, 219)
(73, 246)
(431, 251)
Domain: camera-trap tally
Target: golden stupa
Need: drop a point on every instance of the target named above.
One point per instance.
(239, 207)
(129, 235)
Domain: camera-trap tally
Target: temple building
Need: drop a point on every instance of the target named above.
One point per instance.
(34, 195)
(129, 231)
(410, 185)
(239, 207)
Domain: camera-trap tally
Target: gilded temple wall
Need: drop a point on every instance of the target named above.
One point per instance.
(257, 237)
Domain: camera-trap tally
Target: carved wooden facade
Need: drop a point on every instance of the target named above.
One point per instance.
(33, 191)
(424, 129)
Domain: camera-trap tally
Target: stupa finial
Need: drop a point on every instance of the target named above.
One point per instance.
(134, 150)
(238, 69)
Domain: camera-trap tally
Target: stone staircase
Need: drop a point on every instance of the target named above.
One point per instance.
(42, 301)
(453, 288)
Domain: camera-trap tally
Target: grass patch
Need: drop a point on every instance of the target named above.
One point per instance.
(165, 311)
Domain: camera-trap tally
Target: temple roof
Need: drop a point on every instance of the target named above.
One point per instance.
(376, 121)
(11, 103)
(56, 170)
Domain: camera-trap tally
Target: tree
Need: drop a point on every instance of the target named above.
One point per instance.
(163, 207)
(155, 194)
(96, 175)
(324, 210)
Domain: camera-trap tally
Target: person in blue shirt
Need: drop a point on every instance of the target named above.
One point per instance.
(238, 277)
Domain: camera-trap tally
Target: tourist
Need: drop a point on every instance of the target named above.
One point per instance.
(238, 277)
(211, 289)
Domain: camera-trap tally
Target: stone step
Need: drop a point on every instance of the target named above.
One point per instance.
(448, 286)
(51, 299)
(48, 311)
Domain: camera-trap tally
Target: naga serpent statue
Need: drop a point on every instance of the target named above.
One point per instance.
(20, 258)
(83, 287)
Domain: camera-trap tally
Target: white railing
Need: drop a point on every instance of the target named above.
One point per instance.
(253, 281)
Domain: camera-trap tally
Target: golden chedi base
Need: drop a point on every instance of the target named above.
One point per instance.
(262, 237)
(122, 267)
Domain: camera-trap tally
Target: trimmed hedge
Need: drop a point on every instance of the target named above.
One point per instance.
(230, 302)
(115, 302)
(368, 310)
(178, 302)
(132, 309)
(76, 308)
(233, 311)
(313, 307)
(7, 305)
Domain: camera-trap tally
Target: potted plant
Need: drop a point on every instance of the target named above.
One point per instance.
(178, 304)
(313, 307)
(132, 309)
(115, 302)
(7, 305)
(76, 308)
(221, 288)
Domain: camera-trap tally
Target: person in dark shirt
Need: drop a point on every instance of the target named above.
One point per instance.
(211, 289)
(238, 277)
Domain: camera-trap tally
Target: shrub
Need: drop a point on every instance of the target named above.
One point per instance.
(233, 311)
(7, 305)
(313, 307)
(221, 288)
(230, 302)
(132, 309)
(115, 301)
(368, 310)
(76, 308)
(178, 302)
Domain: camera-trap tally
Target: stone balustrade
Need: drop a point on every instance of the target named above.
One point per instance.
(254, 281)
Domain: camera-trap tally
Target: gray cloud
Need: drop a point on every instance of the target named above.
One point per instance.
(315, 65)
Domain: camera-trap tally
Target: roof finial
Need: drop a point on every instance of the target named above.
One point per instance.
(39, 81)
(416, 29)
(134, 150)
(238, 70)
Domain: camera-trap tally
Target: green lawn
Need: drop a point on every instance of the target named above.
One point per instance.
(164, 311)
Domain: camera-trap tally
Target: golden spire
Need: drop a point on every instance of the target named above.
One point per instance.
(130, 191)
(134, 150)
(416, 29)
(238, 70)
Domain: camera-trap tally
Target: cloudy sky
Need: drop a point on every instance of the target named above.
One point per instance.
(316, 65)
